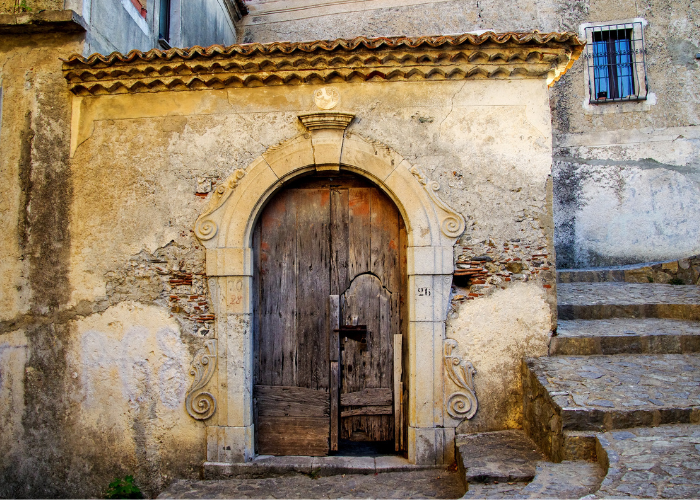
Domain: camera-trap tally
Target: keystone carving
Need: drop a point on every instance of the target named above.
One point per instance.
(461, 404)
(205, 228)
(326, 120)
(452, 223)
(200, 404)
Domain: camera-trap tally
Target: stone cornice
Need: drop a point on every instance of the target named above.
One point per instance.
(45, 21)
(489, 55)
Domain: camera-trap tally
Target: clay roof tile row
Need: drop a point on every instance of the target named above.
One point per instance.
(520, 38)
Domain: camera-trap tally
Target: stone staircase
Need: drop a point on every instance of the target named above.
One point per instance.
(613, 411)
(621, 386)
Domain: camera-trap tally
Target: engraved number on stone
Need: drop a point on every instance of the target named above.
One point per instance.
(424, 291)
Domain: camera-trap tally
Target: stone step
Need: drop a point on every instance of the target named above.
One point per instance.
(683, 271)
(266, 466)
(501, 456)
(656, 462)
(625, 336)
(627, 300)
(563, 480)
(602, 393)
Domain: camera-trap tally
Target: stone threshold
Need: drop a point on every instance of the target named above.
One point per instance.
(271, 466)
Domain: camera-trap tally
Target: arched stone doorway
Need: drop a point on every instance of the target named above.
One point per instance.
(226, 230)
(329, 313)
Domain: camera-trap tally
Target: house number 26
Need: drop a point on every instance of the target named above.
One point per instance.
(424, 291)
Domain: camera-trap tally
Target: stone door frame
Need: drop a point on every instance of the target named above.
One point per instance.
(225, 229)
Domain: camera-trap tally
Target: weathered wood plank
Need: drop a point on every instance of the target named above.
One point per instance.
(398, 342)
(359, 234)
(281, 401)
(366, 298)
(313, 286)
(293, 436)
(334, 356)
(368, 410)
(339, 240)
(335, 409)
(367, 397)
(333, 324)
(277, 294)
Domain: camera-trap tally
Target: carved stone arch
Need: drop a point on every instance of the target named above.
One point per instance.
(225, 229)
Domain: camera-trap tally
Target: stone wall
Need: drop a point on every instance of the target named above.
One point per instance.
(106, 300)
(89, 389)
(626, 177)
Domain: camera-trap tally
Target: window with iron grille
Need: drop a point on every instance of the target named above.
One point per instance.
(615, 62)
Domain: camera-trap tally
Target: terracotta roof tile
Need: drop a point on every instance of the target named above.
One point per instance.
(340, 44)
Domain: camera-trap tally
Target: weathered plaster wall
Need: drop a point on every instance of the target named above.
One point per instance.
(204, 23)
(115, 26)
(89, 390)
(300, 20)
(482, 140)
(627, 177)
(497, 332)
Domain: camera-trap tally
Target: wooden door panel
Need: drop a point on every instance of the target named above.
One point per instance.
(313, 286)
(277, 256)
(368, 303)
(292, 420)
(326, 235)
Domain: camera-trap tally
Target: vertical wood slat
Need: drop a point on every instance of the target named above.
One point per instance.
(339, 240)
(334, 356)
(398, 431)
(402, 417)
(313, 286)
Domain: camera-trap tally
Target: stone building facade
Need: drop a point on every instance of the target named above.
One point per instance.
(132, 185)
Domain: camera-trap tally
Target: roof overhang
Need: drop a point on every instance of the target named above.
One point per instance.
(455, 57)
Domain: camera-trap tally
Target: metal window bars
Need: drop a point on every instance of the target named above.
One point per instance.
(616, 63)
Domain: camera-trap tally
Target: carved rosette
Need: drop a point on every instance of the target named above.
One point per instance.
(206, 228)
(200, 404)
(452, 223)
(460, 404)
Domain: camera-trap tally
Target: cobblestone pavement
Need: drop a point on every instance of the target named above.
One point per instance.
(626, 293)
(626, 326)
(436, 483)
(622, 382)
(652, 462)
(564, 480)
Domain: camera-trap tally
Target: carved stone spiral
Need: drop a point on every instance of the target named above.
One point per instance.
(452, 226)
(462, 405)
(202, 405)
(206, 229)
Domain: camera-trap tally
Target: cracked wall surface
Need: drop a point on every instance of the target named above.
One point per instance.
(626, 176)
(91, 388)
(101, 358)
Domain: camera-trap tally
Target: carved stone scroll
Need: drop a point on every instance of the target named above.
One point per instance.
(460, 404)
(205, 228)
(451, 223)
(200, 404)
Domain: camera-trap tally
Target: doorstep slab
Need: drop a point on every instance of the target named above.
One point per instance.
(503, 456)
(272, 466)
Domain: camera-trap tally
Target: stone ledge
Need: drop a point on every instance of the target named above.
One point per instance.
(269, 466)
(48, 21)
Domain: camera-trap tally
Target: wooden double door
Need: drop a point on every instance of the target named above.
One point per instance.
(330, 260)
